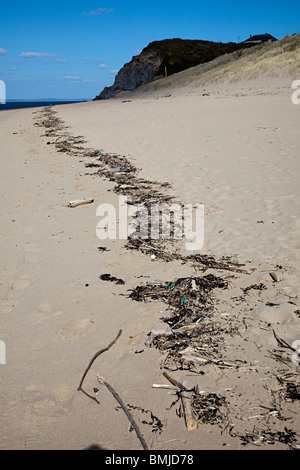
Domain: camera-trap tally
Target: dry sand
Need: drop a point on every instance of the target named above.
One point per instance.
(236, 150)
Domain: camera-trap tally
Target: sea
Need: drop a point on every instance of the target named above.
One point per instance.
(14, 104)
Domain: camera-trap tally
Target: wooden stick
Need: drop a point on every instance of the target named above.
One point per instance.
(126, 411)
(91, 362)
(282, 343)
(190, 421)
(80, 202)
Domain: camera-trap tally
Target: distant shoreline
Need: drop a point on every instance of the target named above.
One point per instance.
(34, 104)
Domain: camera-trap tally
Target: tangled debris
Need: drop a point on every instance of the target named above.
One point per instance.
(120, 171)
(197, 406)
(153, 421)
(260, 435)
(193, 338)
(208, 407)
(63, 141)
(290, 387)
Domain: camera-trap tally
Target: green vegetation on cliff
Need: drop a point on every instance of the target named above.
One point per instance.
(181, 54)
(167, 56)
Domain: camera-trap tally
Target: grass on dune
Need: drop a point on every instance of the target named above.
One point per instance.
(269, 59)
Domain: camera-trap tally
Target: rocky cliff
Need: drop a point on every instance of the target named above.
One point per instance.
(169, 55)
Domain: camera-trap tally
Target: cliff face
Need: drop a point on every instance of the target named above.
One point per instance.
(141, 69)
(173, 55)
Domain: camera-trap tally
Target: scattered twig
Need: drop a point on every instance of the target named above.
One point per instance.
(126, 411)
(282, 343)
(91, 363)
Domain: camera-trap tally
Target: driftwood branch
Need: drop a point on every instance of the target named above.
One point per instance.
(91, 363)
(282, 343)
(117, 397)
(126, 411)
(190, 420)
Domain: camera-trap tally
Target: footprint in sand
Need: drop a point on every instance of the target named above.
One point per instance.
(28, 230)
(56, 207)
(74, 330)
(112, 263)
(79, 187)
(45, 307)
(21, 283)
(31, 259)
(31, 248)
(6, 306)
(43, 402)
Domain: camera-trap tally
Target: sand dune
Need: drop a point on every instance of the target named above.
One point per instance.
(266, 62)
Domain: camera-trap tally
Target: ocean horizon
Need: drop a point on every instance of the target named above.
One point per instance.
(19, 104)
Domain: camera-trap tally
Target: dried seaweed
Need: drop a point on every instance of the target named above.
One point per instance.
(209, 261)
(199, 407)
(265, 436)
(290, 386)
(137, 190)
(189, 297)
(101, 249)
(259, 287)
(64, 141)
(153, 421)
(209, 408)
(108, 277)
(194, 338)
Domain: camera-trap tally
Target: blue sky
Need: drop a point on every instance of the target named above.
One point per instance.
(73, 49)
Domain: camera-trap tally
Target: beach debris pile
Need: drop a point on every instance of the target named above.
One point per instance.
(208, 408)
(138, 191)
(63, 141)
(264, 435)
(197, 406)
(143, 193)
(290, 386)
(118, 170)
(193, 338)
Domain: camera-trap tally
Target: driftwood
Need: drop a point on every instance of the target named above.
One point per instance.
(91, 363)
(100, 380)
(126, 411)
(80, 202)
(185, 396)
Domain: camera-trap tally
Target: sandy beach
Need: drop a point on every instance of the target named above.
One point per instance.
(233, 148)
